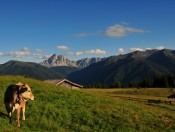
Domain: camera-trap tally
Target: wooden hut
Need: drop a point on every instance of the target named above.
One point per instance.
(65, 83)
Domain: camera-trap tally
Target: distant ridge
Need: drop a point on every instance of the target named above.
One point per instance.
(128, 68)
(82, 63)
(28, 69)
(61, 60)
(131, 67)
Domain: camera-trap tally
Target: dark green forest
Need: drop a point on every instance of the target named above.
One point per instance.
(158, 81)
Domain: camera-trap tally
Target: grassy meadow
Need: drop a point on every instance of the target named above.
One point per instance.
(86, 110)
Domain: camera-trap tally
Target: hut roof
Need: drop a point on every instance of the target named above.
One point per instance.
(59, 81)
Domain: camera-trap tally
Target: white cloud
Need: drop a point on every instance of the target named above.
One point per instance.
(2, 54)
(118, 30)
(96, 51)
(39, 56)
(80, 35)
(149, 48)
(124, 23)
(38, 50)
(63, 47)
(139, 49)
(135, 49)
(120, 50)
(77, 53)
(160, 47)
(23, 52)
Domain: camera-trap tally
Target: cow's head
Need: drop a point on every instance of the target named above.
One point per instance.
(25, 92)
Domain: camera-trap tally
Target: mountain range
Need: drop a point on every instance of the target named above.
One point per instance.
(131, 67)
(29, 69)
(61, 60)
(56, 67)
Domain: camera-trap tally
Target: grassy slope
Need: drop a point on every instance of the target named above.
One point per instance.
(144, 93)
(58, 109)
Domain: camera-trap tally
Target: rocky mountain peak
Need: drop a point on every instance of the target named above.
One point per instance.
(58, 60)
(53, 58)
(88, 61)
(61, 60)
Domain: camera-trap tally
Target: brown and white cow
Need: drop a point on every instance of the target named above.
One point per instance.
(15, 99)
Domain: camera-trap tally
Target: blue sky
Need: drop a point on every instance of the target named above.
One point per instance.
(33, 30)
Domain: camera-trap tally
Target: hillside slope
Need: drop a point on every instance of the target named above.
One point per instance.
(132, 67)
(59, 109)
(28, 69)
(64, 70)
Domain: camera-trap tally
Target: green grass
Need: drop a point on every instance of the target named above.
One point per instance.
(60, 109)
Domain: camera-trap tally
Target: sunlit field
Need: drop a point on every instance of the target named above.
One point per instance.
(147, 93)
(60, 109)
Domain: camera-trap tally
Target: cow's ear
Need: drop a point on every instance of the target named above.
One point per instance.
(22, 90)
(18, 88)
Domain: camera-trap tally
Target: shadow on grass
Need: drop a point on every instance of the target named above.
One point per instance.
(2, 115)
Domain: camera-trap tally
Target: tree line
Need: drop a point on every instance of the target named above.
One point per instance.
(158, 81)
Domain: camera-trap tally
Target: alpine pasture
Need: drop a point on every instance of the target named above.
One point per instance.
(63, 110)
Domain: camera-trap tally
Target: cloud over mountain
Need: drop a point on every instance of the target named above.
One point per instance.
(41, 56)
(135, 49)
(1, 54)
(26, 52)
(63, 47)
(23, 52)
(38, 50)
(160, 47)
(120, 50)
(96, 51)
(36, 54)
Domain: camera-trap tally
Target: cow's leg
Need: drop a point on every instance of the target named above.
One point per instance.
(15, 107)
(9, 108)
(23, 113)
(18, 116)
(10, 117)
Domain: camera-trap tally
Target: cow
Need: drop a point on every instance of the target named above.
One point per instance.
(153, 101)
(15, 98)
(172, 96)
